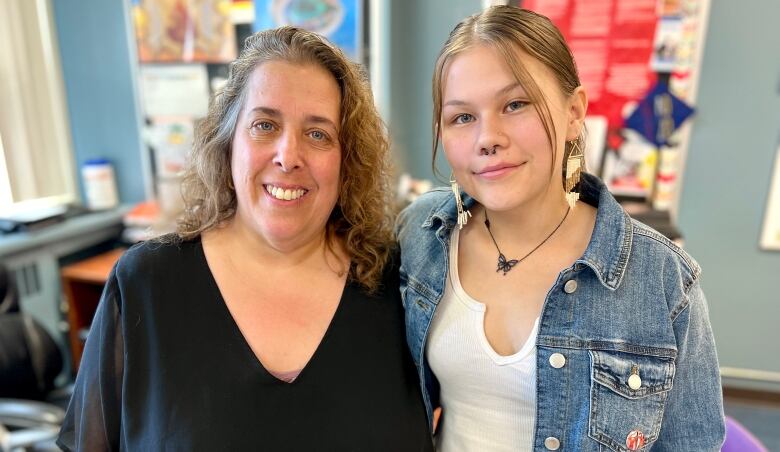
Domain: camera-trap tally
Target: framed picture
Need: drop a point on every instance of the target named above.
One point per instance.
(184, 31)
(340, 21)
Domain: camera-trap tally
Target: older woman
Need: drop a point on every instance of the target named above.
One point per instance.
(271, 320)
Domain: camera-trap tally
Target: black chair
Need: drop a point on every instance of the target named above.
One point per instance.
(29, 362)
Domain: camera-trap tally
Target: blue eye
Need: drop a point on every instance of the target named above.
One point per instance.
(263, 126)
(317, 135)
(515, 105)
(463, 118)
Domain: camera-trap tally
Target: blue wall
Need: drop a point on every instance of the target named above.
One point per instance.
(96, 66)
(726, 182)
(418, 30)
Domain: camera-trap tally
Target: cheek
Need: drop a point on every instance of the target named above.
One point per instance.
(247, 158)
(456, 149)
(327, 171)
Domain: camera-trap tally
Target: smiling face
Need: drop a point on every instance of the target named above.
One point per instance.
(484, 107)
(286, 156)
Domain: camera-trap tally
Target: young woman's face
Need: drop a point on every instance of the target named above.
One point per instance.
(485, 108)
(286, 157)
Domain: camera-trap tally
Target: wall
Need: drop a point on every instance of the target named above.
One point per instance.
(726, 182)
(418, 30)
(97, 55)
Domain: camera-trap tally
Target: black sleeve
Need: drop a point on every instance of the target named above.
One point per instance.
(93, 419)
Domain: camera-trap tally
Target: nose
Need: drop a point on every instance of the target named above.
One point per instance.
(288, 154)
(491, 136)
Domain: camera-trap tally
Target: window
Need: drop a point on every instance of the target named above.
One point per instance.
(36, 159)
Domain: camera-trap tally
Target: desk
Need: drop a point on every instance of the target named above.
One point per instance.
(82, 283)
(35, 258)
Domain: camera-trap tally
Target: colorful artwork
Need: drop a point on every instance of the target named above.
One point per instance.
(184, 31)
(658, 115)
(338, 20)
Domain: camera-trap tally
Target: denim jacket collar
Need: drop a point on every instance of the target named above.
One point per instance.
(613, 226)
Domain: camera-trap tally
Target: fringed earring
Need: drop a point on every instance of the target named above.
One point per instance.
(573, 163)
(463, 215)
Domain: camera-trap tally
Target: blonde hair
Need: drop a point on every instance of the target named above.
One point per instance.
(507, 29)
(361, 218)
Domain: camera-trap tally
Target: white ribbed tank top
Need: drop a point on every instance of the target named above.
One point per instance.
(488, 400)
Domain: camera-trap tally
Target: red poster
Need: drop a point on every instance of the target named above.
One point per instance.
(612, 42)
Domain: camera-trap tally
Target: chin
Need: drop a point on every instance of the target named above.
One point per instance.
(500, 201)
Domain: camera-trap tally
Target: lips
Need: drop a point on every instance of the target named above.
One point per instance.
(496, 170)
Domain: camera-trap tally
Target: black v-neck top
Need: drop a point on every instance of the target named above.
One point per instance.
(166, 367)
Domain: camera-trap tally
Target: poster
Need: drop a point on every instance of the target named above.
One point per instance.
(338, 20)
(175, 90)
(612, 43)
(184, 31)
(621, 47)
(770, 238)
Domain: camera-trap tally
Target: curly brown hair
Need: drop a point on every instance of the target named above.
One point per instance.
(361, 219)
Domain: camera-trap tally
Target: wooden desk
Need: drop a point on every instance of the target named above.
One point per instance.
(83, 283)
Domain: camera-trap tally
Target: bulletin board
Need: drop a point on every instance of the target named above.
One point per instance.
(639, 62)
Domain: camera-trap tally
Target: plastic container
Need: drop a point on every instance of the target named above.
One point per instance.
(99, 184)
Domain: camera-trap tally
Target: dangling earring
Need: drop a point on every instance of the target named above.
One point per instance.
(573, 162)
(463, 215)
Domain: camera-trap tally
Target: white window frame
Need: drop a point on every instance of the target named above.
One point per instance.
(36, 155)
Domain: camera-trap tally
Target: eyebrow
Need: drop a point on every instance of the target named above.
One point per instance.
(503, 91)
(274, 113)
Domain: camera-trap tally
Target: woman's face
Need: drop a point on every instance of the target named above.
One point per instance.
(484, 107)
(286, 154)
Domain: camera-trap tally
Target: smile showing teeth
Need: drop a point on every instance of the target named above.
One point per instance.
(284, 194)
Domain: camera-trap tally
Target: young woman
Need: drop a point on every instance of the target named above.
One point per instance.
(539, 314)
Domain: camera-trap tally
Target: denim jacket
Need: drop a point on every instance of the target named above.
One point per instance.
(631, 304)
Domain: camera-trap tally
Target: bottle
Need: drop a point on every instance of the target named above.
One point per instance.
(99, 184)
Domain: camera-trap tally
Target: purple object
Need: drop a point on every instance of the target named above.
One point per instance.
(739, 439)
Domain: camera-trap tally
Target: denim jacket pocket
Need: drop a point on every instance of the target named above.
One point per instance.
(627, 397)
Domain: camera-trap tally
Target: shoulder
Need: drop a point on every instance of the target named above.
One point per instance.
(413, 216)
(664, 264)
(652, 242)
(161, 255)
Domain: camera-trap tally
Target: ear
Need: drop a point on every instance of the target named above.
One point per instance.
(578, 108)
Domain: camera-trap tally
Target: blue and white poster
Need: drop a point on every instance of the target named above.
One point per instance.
(338, 20)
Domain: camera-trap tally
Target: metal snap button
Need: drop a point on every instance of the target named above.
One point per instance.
(634, 382)
(552, 443)
(570, 286)
(557, 360)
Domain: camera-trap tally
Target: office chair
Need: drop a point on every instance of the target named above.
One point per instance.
(29, 362)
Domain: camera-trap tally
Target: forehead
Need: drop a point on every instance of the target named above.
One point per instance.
(294, 88)
(482, 69)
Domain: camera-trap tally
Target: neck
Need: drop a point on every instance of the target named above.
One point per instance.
(536, 219)
(250, 249)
